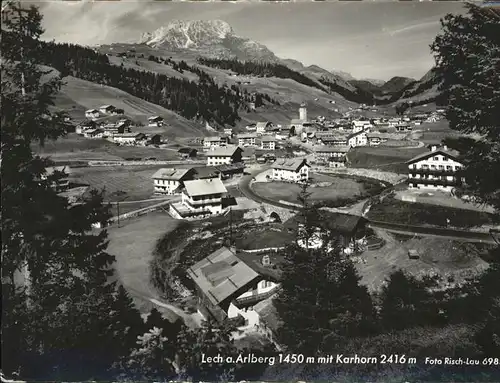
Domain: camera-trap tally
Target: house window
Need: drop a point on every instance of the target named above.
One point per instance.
(436, 158)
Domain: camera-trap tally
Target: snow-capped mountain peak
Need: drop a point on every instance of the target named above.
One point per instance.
(188, 34)
(208, 38)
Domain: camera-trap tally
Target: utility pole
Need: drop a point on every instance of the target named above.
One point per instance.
(118, 212)
(230, 226)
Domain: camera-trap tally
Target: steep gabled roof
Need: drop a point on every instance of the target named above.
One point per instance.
(263, 124)
(172, 174)
(222, 275)
(225, 151)
(196, 188)
(453, 154)
(291, 164)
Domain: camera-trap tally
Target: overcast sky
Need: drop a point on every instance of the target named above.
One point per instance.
(366, 39)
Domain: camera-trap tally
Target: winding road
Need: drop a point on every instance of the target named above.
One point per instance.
(419, 230)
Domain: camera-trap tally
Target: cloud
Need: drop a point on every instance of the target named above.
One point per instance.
(425, 25)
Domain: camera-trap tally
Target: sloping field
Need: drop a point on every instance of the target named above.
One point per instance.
(134, 181)
(91, 95)
(382, 158)
(74, 147)
(434, 131)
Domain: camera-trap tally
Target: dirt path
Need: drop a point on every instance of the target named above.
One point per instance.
(133, 244)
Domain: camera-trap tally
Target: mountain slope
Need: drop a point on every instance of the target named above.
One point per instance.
(396, 84)
(387, 89)
(422, 91)
(216, 39)
(287, 92)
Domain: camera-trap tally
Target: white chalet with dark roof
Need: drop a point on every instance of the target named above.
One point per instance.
(204, 196)
(93, 133)
(224, 155)
(334, 155)
(92, 113)
(128, 138)
(107, 109)
(229, 283)
(292, 170)
(155, 121)
(171, 180)
(437, 169)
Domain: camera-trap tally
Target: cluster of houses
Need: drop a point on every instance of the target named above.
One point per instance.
(120, 131)
(332, 140)
(243, 140)
(104, 110)
(201, 188)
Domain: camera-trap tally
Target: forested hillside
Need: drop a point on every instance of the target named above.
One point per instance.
(204, 100)
(262, 69)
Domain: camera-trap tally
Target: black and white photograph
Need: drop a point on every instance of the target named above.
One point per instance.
(250, 191)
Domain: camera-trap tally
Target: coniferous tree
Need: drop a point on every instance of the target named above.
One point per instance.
(54, 267)
(169, 329)
(407, 302)
(466, 53)
(211, 339)
(153, 357)
(321, 303)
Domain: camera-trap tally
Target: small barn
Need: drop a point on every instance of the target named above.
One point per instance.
(188, 152)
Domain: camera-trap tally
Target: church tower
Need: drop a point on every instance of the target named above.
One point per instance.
(303, 112)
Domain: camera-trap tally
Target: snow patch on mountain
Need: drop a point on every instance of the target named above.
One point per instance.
(188, 34)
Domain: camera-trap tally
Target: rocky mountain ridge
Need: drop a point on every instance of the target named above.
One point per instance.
(217, 39)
